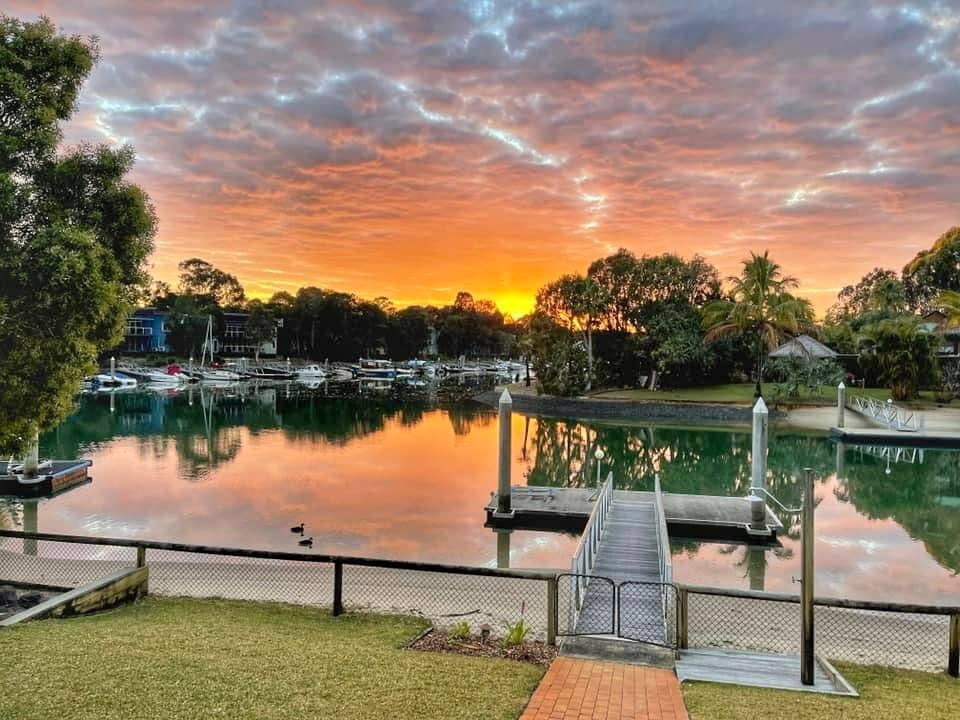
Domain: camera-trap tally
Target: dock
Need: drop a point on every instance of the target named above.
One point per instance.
(697, 517)
(884, 436)
(54, 476)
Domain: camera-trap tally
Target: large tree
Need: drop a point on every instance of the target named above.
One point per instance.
(198, 277)
(576, 303)
(74, 233)
(760, 305)
(880, 290)
(934, 270)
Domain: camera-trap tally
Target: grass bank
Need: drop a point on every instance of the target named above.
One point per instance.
(884, 693)
(178, 659)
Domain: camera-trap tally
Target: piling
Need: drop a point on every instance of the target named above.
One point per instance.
(504, 508)
(841, 403)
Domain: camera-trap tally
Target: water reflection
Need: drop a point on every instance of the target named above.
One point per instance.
(380, 475)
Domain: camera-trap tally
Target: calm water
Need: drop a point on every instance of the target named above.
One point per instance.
(390, 478)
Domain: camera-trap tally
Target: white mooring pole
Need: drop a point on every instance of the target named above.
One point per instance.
(113, 368)
(504, 507)
(758, 477)
(841, 403)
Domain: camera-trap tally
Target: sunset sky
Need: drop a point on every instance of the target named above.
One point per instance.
(416, 148)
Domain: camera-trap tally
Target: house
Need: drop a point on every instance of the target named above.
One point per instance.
(146, 332)
(936, 323)
(234, 340)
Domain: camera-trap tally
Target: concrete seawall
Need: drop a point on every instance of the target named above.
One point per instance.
(592, 409)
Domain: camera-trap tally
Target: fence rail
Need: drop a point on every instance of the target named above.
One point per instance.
(441, 592)
(902, 635)
(884, 633)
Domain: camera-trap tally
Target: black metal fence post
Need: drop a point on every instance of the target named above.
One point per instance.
(953, 664)
(553, 610)
(337, 588)
(682, 618)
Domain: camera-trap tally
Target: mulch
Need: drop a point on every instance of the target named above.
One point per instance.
(434, 640)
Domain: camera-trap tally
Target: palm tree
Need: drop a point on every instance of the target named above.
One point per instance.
(761, 305)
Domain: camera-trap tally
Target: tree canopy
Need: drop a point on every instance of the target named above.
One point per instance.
(934, 270)
(74, 233)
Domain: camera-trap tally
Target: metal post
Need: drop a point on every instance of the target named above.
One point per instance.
(31, 460)
(758, 478)
(806, 592)
(841, 403)
(503, 486)
(337, 588)
(553, 611)
(953, 664)
(503, 547)
(30, 525)
(141, 556)
(113, 368)
(683, 608)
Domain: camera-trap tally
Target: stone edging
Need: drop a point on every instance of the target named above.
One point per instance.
(593, 409)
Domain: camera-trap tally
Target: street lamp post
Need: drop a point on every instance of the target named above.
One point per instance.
(598, 455)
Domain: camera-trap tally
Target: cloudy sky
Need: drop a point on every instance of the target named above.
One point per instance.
(418, 147)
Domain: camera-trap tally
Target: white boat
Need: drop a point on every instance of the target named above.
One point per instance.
(114, 380)
(171, 375)
(218, 375)
(311, 371)
(376, 369)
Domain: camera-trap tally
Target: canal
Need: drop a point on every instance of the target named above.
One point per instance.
(399, 477)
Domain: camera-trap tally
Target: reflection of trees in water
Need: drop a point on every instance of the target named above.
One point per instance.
(204, 424)
(923, 498)
(467, 416)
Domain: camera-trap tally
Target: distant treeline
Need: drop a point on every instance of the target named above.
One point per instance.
(319, 324)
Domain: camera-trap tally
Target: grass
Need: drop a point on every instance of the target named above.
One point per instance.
(177, 658)
(884, 693)
(742, 394)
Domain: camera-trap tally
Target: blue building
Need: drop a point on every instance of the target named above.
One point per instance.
(146, 332)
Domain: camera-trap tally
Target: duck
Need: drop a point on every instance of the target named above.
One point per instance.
(306, 543)
(297, 529)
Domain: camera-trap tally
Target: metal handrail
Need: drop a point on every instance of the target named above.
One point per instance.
(586, 553)
(789, 510)
(666, 559)
(887, 413)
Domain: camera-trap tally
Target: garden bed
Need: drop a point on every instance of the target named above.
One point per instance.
(433, 640)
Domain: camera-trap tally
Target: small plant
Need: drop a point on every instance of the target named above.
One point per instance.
(460, 631)
(517, 632)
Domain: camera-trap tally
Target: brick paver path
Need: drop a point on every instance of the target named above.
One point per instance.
(576, 689)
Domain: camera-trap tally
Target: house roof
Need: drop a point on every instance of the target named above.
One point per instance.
(803, 346)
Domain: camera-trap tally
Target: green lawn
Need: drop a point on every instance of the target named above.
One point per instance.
(884, 693)
(742, 394)
(178, 658)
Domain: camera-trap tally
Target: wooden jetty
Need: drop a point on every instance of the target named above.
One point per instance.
(54, 476)
(703, 517)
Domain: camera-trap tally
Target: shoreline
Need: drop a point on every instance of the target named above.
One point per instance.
(819, 418)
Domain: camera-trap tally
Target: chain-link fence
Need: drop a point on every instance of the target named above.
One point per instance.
(912, 637)
(445, 594)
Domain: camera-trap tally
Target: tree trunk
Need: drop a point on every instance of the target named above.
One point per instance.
(589, 360)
